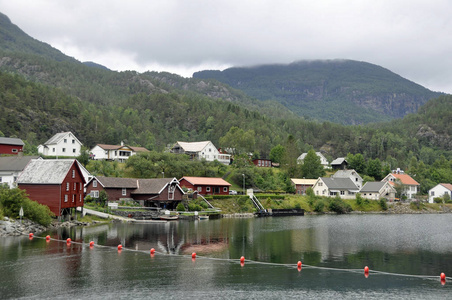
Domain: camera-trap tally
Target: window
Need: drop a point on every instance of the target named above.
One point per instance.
(95, 194)
(73, 150)
(75, 186)
(64, 149)
(65, 198)
(432, 193)
(65, 140)
(15, 150)
(94, 183)
(208, 189)
(67, 186)
(73, 198)
(81, 186)
(53, 149)
(0, 179)
(199, 189)
(342, 192)
(225, 189)
(124, 192)
(80, 197)
(73, 173)
(73, 141)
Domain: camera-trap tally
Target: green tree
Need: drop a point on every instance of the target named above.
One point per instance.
(277, 153)
(374, 169)
(356, 162)
(312, 167)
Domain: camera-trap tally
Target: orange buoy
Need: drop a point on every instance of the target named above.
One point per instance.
(119, 247)
(299, 264)
(30, 234)
(48, 238)
(152, 250)
(242, 259)
(443, 276)
(366, 271)
(91, 243)
(68, 240)
(193, 255)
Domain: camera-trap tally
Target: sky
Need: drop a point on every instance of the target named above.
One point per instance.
(411, 38)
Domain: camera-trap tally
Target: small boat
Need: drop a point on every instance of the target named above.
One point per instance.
(204, 217)
(168, 218)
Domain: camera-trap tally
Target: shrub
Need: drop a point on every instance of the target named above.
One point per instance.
(359, 199)
(339, 206)
(319, 206)
(383, 204)
(438, 200)
(180, 207)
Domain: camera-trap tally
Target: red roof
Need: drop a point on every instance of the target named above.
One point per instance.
(447, 186)
(405, 179)
(206, 181)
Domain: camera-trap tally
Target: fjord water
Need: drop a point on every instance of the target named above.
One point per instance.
(333, 249)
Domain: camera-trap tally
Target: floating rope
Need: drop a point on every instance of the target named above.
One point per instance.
(242, 261)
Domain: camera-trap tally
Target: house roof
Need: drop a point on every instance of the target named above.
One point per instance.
(339, 183)
(11, 141)
(58, 137)
(447, 186)
(152, 186)
(192, 146)
(372, 186)
(15, 163)
(338, 161)
(117, 182)
(405, 179)
(303, 181)
(116, 147)
(41, 171)
(346, 174)
(206, 181)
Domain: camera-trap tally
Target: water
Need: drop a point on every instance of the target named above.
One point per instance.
(333, 249)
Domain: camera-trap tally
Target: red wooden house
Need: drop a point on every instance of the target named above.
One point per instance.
(11, 145)
(259, 162)
(58, 184)
(158, 192)
(206, 185)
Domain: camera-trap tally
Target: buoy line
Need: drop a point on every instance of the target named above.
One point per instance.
(242, 260)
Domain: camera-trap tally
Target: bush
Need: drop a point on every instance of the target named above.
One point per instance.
(438, 200)
(319, 206)
(383, 204)
(180, 207)
(11, 200)
(359, 199)
(339, 206)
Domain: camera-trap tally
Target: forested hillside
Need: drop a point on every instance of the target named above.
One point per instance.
(342, 91)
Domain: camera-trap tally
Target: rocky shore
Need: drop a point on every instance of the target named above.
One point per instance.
(11, 227)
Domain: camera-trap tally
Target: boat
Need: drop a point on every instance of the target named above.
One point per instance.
(204, 217)
(168, 218)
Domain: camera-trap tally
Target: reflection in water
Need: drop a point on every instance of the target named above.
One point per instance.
(411, 244)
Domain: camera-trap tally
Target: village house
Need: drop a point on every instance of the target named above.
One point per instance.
(330, 187)
(61, 144)
(56, 183)
(155, 192)
(439, 191)
(410, 187)
(206, 185)
(377, 190)
(302, 185)
(339, 163)
(323, 160)
(11, 167)
(118, 153)
(11, 146)
(259, 162)
(352, 174)
(201, 150)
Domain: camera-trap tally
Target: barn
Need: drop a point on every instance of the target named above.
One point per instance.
(59, 184)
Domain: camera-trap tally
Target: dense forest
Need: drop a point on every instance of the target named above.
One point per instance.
(42, 92)
(342, 91)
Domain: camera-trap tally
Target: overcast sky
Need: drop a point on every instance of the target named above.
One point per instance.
(412, 38)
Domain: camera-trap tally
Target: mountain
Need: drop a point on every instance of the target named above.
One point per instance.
(343, 91)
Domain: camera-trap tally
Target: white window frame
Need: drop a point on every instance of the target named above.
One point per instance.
(208, 189)
(225, 189)
(73, 173)
(124, 192)
(199, 189)
(94, 183)
(65, 198)
(95, 194)
(67, 186)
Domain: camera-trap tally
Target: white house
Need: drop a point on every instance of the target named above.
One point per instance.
(352, 174)
(323, 160)
(61, 144)
(11, 167)
(410, 187)
(201, 150)
(330, 187)
(375, 190)
(115, 152)
(439, 191)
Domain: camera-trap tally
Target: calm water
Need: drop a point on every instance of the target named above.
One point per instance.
(333, 249)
